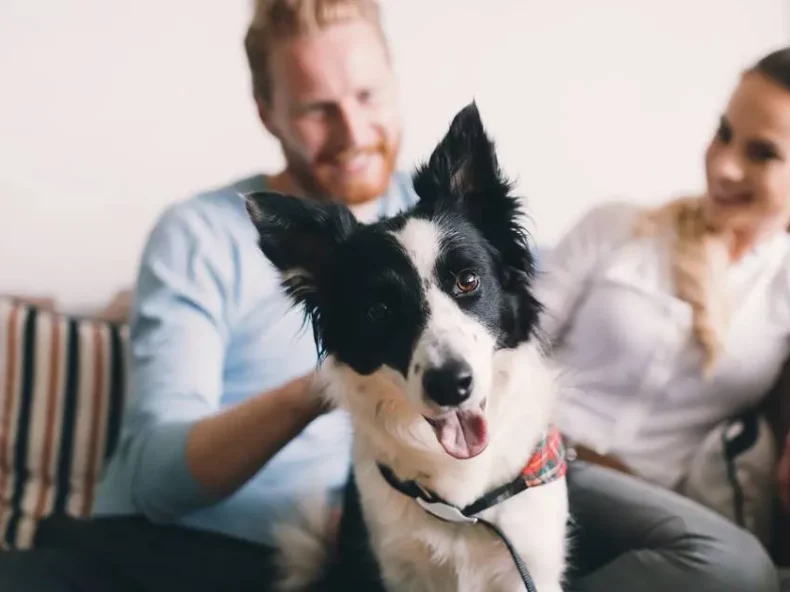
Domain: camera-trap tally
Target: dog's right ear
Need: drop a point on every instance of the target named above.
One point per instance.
(300, 236)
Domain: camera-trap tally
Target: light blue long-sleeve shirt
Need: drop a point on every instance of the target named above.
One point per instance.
(211, 327)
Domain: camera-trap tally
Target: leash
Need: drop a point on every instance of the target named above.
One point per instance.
(436, 506)
(529, 584)
(548, 463)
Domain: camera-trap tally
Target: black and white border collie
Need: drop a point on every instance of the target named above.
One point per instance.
(427, 328)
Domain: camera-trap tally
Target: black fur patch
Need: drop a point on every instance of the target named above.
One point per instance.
(360, 290)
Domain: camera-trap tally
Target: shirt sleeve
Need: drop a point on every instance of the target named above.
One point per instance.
(567, 270)
(178, 333)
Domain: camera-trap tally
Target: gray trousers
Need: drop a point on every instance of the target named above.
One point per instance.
(629, 535)
(626, 536)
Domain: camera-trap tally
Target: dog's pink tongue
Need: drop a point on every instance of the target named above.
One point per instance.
(463, 434)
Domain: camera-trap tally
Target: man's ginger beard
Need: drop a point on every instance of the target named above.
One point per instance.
(319, 180)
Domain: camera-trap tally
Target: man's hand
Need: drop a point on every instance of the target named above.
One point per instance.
(784, 476)
(315, 393)
(226, 449)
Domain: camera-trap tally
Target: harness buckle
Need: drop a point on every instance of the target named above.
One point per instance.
(446, 512)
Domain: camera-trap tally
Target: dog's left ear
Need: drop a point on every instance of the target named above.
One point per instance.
(463, 163)
(463, 171)
(300, 236)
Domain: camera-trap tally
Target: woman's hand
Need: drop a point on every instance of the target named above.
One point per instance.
(784, 476)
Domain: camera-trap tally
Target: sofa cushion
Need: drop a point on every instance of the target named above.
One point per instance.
(62, 391)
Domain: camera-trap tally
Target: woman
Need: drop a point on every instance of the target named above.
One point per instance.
(667, 323)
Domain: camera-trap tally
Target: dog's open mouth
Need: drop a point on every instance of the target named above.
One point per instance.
(462, 433)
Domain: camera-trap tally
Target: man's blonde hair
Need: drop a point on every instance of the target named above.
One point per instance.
(276, 20)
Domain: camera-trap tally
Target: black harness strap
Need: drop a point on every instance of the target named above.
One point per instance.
(436, 506)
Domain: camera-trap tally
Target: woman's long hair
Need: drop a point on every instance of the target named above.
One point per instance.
(700, 257)
(699, 262)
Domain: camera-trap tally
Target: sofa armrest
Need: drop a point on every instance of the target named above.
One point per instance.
(776, 408)
(777, 405)
(47, 303)
(118, 309)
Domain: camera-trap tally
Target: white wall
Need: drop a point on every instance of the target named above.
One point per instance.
(111, 110)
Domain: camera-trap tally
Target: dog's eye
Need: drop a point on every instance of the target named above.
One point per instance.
(378, 312)
(467, 281)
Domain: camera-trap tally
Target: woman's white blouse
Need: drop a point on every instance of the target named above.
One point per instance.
(623, 342)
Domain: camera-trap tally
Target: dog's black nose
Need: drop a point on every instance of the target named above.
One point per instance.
(449, 384)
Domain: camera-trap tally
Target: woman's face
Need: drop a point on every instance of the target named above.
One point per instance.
(748, 161)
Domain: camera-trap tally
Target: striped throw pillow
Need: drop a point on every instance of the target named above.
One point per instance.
(62, 391)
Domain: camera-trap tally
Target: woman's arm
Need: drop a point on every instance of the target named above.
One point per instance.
(567, 269)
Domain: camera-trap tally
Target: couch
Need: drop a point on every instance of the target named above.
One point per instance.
(62, 393)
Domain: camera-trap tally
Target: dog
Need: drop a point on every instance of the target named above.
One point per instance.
(427, 330)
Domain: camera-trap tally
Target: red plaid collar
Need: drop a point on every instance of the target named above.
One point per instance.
(549, 461)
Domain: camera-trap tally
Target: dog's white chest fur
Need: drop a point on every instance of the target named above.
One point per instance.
(419, 552)
(416, 550)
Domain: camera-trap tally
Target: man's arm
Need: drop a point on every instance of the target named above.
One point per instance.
(180, 450)
(225, 450)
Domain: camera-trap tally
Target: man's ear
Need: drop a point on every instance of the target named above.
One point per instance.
(265, 115)
(300, 236)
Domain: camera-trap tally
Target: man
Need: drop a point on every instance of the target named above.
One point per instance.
(225, 430)
(223, 412)
(211, 329)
